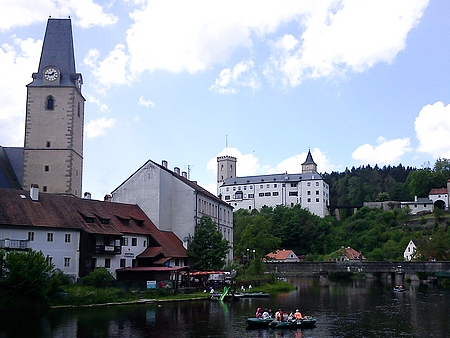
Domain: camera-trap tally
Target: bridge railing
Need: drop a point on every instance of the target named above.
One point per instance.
(357, 266)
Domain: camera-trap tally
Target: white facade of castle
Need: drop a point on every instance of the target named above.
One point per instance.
(307, 189)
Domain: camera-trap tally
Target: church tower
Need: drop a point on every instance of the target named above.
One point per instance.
(226, 168)
(309, 166)
(53, 148)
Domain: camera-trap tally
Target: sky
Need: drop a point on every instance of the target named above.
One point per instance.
(356, 82)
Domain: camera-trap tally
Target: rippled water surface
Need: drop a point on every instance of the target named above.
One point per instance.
(352, 309)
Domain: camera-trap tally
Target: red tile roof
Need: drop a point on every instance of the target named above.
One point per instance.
(280, 254)
(440, 191)
(69, 212)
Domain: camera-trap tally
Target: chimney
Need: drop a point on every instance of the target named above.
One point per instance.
(184, 174)
(107, 198)
(34, 192)
(164, 163)
(176, 170)
(87, 195)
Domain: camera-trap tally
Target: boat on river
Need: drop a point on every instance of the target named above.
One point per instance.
(259, 322)
(305, 323)
(398, 289)
(256, 295)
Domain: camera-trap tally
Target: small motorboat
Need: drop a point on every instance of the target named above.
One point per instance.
(256, 295)
(398, 289)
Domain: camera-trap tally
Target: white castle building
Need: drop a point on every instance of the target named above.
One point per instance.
(307, 189)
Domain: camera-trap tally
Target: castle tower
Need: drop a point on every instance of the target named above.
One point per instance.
(309, 166)
(53, 148)
(226, 168)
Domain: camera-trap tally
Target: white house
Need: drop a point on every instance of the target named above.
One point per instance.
(410, 251)
(307, 189)
(173, 202)
(77, 235)
(420, 204)
(282, 256)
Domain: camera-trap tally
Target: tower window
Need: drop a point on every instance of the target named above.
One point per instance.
(50, 103)
(46, 168)
(48, 144)
(79, 109)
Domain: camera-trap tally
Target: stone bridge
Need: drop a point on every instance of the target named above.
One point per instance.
(358, 266)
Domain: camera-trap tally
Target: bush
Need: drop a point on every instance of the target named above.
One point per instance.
(100, 277)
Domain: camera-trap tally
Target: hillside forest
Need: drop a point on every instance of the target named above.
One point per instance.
(377, 234)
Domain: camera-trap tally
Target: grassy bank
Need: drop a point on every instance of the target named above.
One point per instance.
(81, 295)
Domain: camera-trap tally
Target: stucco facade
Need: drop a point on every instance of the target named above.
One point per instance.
(173, 202)
(307, 189)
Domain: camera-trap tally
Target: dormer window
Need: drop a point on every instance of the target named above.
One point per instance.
(50, 103)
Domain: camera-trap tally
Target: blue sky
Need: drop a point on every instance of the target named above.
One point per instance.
(357, 82)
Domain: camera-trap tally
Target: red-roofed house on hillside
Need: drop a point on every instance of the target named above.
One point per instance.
(282, 256)
(349, 254)
(78, 235)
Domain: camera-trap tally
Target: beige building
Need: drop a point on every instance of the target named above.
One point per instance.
(53, 148)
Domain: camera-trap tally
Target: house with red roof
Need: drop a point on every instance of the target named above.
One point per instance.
(282, 256)
(349, 254)
(78, 235)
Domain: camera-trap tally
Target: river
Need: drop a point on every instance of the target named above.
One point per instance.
(363, 308)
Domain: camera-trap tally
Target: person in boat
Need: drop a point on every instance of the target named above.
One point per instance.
(258, 313)
(271, 314)
(298, 315)
(291, 316)
(265, 314)
(279, 315)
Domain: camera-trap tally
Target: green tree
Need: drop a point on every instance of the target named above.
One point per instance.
(207, 246)
(26, 278)
(382, 196)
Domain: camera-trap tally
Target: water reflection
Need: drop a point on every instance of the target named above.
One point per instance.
(364, 308)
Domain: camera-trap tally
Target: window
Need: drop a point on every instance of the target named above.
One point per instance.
(309, 200)
(293, 185)
(308, 184)
(49, 236)
(50, 103)
(66, 262)
(67, 238)
(251, 195)
(31, 236)
(293, 193)
(78, 110)
(317, 184)
(268, 186)
(275, 185)
(177, 262)
(124, 241)
(239, 195)
(261, 194)
(46, 168)
(317, 200)
(134, 241)
(44, 188)
(49, 260)
(107, 263)
(317, 192)
(309, 192)
(227, 197)
(122, 262)
(275, 193)
(261, 186)
(104, 220)
(267, 194)
(48, 144)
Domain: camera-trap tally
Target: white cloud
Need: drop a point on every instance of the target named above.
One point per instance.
(146, 103)
(432, 127)
(248, 164)
(98, 127)
(17, 63)
(199, 34)
(241, 75)
(345, 35)
(386, 152)
(110, 71)
(85, 13)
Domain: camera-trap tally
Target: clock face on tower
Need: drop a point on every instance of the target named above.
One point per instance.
(51, 74)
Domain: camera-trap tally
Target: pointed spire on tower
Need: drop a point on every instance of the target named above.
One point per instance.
(309, 166)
